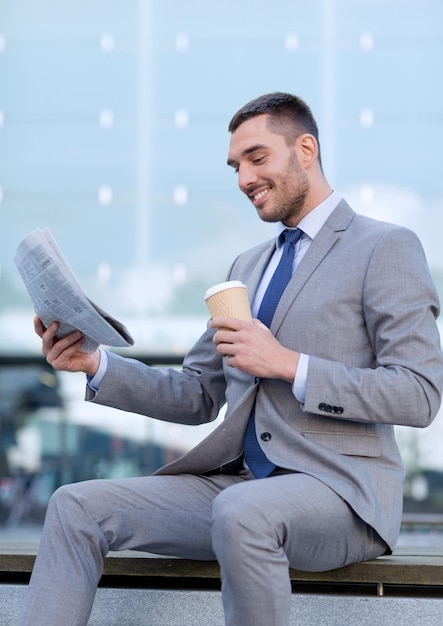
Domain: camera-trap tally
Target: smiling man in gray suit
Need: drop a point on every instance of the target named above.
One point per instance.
(304, 471)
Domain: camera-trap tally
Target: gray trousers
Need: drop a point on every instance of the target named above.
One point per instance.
(256, 529)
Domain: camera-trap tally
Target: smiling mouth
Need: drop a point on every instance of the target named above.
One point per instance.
(256, 197)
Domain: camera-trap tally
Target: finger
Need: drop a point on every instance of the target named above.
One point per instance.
(230, 360)
(50, 332)
(225, 350)
(224, 336)
(53, 347)
(70, 342)
(225, 322)
(47, 336)
(61, 355)
(39, 327)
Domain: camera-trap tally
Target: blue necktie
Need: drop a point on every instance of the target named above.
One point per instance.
(257, 462)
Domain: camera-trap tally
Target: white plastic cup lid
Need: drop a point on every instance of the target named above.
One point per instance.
(222, 286)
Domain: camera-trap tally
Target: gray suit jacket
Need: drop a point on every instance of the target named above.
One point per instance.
(363, 307)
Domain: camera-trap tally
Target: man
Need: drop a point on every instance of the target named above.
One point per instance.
(304, 471)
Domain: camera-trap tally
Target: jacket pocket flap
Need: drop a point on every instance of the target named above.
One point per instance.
(344, 443)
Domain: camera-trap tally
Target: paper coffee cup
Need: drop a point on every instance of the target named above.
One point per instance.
(229, 299)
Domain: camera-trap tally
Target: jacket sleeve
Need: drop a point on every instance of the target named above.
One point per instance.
(191, 395)
(400, 308)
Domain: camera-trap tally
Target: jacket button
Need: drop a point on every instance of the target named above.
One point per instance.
(265, 436)
(322, 406)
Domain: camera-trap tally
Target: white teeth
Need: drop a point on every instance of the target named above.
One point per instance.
(260, 194)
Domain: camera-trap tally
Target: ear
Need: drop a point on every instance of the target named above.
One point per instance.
(307, 148)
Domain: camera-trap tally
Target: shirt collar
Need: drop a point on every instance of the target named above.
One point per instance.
(314, 220)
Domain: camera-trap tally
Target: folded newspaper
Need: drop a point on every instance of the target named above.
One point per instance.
(57, 296)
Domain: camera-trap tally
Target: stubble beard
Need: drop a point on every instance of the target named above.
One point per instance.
(290, 207)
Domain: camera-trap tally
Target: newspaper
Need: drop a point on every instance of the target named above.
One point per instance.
(57, 296)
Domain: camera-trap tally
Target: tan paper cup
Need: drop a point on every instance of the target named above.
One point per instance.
(230, 299)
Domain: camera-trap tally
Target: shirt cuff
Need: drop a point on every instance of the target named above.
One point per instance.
(301, 375)
(95, 381)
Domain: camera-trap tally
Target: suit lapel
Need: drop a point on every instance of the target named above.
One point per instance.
(320, 247)
(252, 270)
(254, 262)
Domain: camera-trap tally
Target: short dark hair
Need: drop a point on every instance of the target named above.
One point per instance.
(289, 116)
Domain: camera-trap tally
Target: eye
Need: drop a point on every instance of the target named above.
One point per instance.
(258, 160)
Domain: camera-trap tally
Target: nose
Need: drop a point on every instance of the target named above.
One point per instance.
(246, 177)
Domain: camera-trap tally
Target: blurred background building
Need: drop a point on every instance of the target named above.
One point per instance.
(113, 133)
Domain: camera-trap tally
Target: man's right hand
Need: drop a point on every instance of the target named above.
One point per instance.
(64, 354)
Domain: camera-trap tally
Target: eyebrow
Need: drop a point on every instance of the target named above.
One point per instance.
(254, 148)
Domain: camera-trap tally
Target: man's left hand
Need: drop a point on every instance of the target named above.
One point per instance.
(252, 348)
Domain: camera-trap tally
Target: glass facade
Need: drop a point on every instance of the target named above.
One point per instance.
(113, 133)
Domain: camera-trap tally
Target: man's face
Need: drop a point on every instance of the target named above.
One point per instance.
(269, 172)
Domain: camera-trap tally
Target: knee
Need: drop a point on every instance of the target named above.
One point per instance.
(60, 498)
(64, 503)
(224, 513)
(235, 517)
